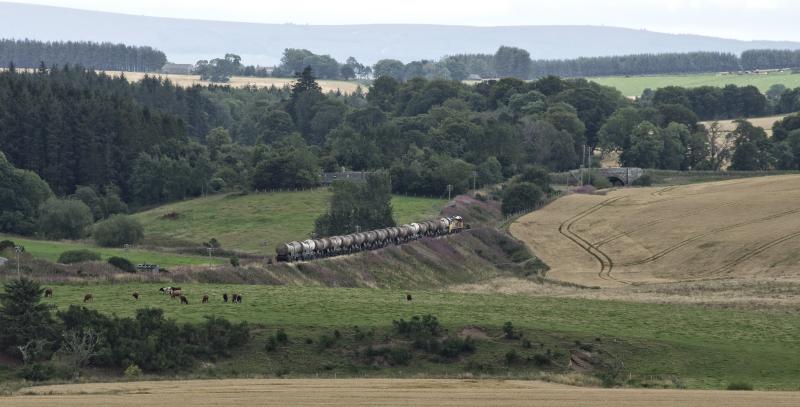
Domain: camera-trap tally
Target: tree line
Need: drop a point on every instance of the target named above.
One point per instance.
(95, 55)
(517, 62)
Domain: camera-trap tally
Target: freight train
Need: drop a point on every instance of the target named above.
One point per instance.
(369, 240)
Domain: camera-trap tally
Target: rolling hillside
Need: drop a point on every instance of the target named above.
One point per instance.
(187, 41)
(731, 229)
(244, 222)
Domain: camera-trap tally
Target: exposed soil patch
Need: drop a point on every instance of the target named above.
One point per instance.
(474, 332)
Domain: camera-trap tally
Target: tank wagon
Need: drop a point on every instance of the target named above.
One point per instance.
(369, 240)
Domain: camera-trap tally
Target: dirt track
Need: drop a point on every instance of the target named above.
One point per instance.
(383, 392)
(738, 228)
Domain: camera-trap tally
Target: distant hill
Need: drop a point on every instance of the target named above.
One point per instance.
(190, 40)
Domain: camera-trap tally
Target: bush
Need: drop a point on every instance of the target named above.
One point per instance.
(740, 386)
(117, 230)
(643, 181)
(122, 264)
(599, 181)
(509, 332)
(512, 357)
(6, 244)
(234, 261)
(521, 196)
(133, 371)
(281, 337)
(64, 218)
(78, 256)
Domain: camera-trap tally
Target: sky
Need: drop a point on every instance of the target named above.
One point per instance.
(739, 19)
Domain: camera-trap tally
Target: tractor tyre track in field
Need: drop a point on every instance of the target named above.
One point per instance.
(606, 263)
(647, 225)
(685, 242)
(755, 252)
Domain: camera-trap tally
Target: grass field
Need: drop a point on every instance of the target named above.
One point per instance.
(400, 393)
(50, 250)
(741, 228)
(765, 123)
(242, 81)
(705, 348)
(635, 85)
(244, 222)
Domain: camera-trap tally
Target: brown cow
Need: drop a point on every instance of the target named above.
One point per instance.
(225, 297)
(175, 294)
(184, 300)
(205, 299)
(48, 292)
(135, 296)
(88, 298)
(408, 297)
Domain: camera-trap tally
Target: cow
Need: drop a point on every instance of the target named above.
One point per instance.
(48, 292)
(174, 294)
(168, 290)
(236, 299)
(225, 298)
(135, 296)
(205, 299)
(88, 298)
(184, 300)
(408, 297)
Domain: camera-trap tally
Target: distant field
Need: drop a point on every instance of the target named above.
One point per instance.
(764, 122)
(244, 222)
(242, 81)
(704, 348)
(383, 392)
(50, 250)
(635, 85)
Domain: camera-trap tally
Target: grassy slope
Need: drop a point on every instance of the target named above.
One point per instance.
(49, 250)
(243, 222)
(634, 85)
(703, 347)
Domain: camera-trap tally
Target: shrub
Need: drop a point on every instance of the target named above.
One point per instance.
(78, 256)
(512, 357)
(122, 264)
(281, 337)
(643, 181)
(520, 196)
(117, 230)
(453, 347)
(541, 359)
(740, 386)
(508, 330)
(394, 356)
(526, 343)
(64, 218)
(6, 244)
(133, 371)
(599, 181)
(326, 342)
(235, 261)
(418, 327)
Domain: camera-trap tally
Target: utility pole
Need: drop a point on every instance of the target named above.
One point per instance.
(449, 190)
(358, 229)
(18, 251)
(474, 180)
(583, 160)
(210, 250)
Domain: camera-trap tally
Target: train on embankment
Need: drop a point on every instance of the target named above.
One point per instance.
(369, 240)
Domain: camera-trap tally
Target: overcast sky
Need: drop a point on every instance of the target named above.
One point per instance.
(740, 19)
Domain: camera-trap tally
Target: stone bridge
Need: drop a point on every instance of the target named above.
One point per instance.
(620, 176)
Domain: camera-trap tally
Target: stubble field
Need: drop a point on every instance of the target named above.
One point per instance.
(370, 392)
(745, 228)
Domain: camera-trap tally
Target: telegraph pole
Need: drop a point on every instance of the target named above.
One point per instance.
(18, 251)
(474, 180)
(449, 190)
(210, 250)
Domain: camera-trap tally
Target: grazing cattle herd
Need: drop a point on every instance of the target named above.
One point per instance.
(172, 292)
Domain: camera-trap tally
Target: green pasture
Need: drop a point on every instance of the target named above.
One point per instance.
(635, 85)
(244, 222)
(703, 348)
(50, 250)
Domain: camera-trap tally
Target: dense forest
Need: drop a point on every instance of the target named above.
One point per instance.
(122, 144)
(102, 56)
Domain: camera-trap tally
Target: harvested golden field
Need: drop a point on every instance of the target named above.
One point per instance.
(744, 228)
(383, 392)
(763, 122)
(242, 81)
